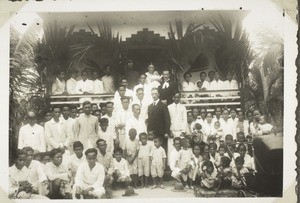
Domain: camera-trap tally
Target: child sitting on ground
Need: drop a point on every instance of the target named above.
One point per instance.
(144, 160)
(225, 172)
(158, 160)
(120, 168)
(248, 160)
(212, 151)
(238, 172)
(131, 150)
(205, 157)
(185, 157)
(209, 175)
(197, 161)
(221, 154)
(174, 157)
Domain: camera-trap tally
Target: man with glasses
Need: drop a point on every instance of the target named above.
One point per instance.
(32, 134)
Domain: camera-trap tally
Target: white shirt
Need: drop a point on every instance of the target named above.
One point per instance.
(228, 128)
(98, 87)
(122, 116)
(58, 87)
(32, 136)
(245, 124)
(84, 86)
(231, 85)
(57, 172)
(93, 178)
(117, 98)
(178, 117)
(153, 78)
(173, 159)
(111, 129)
(74, 162)
(138, 124)
(71, 85)
(56, 134)
(217, 85)
(122, 166)
(146, 87)
(108, 84)
(36, 173)
(205, 85)
(188, 86)
(209, 128)
(16, 176)
(109, 138)
(144, 103)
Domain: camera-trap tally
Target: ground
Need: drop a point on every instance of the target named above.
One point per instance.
(155, 193)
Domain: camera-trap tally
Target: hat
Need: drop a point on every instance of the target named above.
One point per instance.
(178, 187)
(129, 192)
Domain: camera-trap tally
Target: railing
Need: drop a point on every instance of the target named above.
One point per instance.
(191, 99)
(211, 99)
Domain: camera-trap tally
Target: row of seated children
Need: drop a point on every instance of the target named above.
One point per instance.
(188, 158)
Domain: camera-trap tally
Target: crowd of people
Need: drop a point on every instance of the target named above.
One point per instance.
(133, 140)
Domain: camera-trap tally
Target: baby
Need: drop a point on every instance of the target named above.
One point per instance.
(264, 127)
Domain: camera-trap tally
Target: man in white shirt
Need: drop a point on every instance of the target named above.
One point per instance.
(211, 75)
(144, 86)
(108, 81)
(84, 86)
(122, 115)
(141, 100)
(86, 127)
(136, 121)
(178, 117)
(98, 84)
(36, 173)
(65, 116)
(19, 180)
(231, 84)
(122, 92)
(227, 125)
(59, 84)
(205, 84)
(112, 121)
(56, 131)
(90, 177)
(217, 84)
(76, 159)
(71, 83)
(32, 134)
(128, 92)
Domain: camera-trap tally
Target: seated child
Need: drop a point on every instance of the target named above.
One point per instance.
(131, 150)
(185, 158)
(19, 180)
(197, 161)
(205, 157)
(106, 135)
(225, 172)
(213, 154)
(158, 160)
(76, 159)
(120, 171)
(58, 175)
(209, 175)
(222, 150)
(174, 157)
(264, 127)
(144, 160)
(240, 138)
(248, 160)
(238, 172)
(89, 177)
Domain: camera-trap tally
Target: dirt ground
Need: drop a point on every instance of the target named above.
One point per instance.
(155, 193)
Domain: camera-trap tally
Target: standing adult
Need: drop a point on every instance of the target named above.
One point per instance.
(144, 102)
(135, 121)
(56, 131)
(32, 134)
(167, 89)
(144, 86)
(86, 127)
(108, 80)
(178, 121)
(159, 118)
(131, 75)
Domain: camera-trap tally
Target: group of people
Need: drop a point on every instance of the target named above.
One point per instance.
(145, 131)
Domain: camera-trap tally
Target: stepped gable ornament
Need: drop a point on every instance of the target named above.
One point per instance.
(146, 37)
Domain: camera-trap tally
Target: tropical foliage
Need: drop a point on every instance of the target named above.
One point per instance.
(232, 47)
(24, 79)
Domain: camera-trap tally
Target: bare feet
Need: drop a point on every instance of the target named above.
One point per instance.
(154, 186)
(162, 186)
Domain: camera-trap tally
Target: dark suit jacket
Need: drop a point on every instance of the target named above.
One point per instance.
(159, 118)
(168, 93)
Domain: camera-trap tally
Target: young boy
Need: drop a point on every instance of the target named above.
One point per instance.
(209, 175)
(174, 157)
(131, 150)
(105, 134)
(197, 160)
(158, 160)
(144, 160)
(45, 158)
(19, 180)
(238, 172)
(151, 136)
(185, 158)
(120, 171)
(225, 172)
(212, 151)
(76, 159)
(89, 177)
(222, 150)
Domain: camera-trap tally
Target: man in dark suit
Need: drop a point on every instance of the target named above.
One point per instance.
(159, 118)
(167, 89)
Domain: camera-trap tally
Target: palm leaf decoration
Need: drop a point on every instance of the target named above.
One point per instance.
(200, 64)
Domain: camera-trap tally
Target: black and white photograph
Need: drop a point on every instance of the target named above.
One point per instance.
(147, 104)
